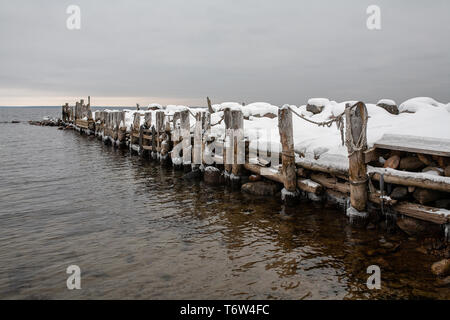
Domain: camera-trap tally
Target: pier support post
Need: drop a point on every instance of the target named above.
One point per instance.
(237, 125)
(290, 193)
(227, 146)
(356, 141)
(177, 160)
(186, 134)
(197, 150)
(159, 131)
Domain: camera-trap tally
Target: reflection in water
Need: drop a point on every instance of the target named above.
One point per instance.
(139, 231)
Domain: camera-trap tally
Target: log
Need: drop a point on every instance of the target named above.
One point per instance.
(426, 160)
(424, 196)
(330, 182)
(308, 185)
(422, 212)
(392, 162)
(313, 166)
(413, 179)
(355, 118)
(287, 143)
(411, 164)
(274, 176)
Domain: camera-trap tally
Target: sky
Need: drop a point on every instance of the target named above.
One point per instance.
(180, 51)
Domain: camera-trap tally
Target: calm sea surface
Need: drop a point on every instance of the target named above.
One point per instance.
(137, 230)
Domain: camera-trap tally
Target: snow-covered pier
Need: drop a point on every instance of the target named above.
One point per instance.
(375, 160)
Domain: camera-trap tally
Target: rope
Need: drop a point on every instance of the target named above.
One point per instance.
(339, 122)
(362, 140)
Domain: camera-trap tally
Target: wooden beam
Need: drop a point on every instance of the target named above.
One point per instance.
(309, 186)
(435, 215)
(330, 182)
(413, 179)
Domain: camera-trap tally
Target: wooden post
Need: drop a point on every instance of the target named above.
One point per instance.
(210, 109)
(227, 149)
(197, 150)
(154, 143)
(176, 136)
(186, 133)
(237, 125)
(159, 131)
(206, 133)
(288, 170)
(355, 118)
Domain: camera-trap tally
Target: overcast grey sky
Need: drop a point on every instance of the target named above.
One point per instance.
(180, 51)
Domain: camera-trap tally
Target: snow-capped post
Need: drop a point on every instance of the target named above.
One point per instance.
(197, 154)
(356, 141)
(227, 145)
(289, 193)
(237, 124)
(122, 130)
(186, 134)
(176, 138)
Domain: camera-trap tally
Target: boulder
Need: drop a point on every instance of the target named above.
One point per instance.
(314, 109)
(392, 162)
(399, 193)
(411, 164)
(213, 176)
(441, 268)
(418, 228)
(261, 188)
(393, 109)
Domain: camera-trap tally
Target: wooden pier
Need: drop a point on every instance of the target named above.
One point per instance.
(359, 182)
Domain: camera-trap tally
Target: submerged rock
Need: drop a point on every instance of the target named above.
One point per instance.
(213, 176)
(192, 175)
(261, 188)
(415, 227)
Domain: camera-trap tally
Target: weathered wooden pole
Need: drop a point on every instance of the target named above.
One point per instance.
(206, 133)
(228, 143)
(122, 130)
(356, 140)
(237, 125)
(175, 155)
(159, 131)
(197, 150)
(210, 109)
(289, 172)
(186, 134)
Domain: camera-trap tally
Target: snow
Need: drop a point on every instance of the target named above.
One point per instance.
(419, 117)
(319, 102)
(387, 101)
